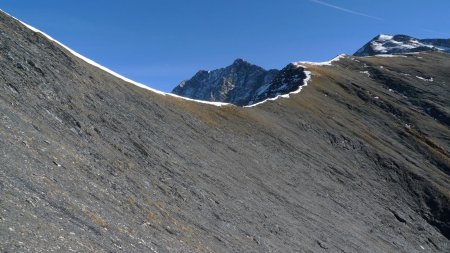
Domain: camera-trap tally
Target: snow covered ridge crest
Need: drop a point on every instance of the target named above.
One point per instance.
(93, 63)
(244, 84)
(305, 83)
(385, 44)
(326, 63)
(278, 93)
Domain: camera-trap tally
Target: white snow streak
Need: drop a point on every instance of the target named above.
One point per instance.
(365, 72)
(389, 55)
(425, 79)
(305, 83)
(93, 63)
(384, 37)
(326, 63)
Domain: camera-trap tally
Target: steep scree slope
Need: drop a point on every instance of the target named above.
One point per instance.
(356, 162)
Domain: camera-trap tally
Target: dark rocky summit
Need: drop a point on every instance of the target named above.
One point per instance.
(234, 84)
(289, 79)
(401, 44)
(359, 161)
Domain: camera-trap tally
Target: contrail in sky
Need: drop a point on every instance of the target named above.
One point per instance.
(346, 10)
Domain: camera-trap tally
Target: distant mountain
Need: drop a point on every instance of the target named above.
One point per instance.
(241, 83)
(234, 84)
(399, 44)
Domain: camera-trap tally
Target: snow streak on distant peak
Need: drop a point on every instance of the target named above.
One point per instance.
(384, 37)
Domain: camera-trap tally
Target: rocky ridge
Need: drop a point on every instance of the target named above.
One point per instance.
(251, 84)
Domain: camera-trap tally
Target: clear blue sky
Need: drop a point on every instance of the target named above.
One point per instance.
(162, 42)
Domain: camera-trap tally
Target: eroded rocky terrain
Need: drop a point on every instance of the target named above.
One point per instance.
(358, 161)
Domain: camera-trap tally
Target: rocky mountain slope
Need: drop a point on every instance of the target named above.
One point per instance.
(358, 161)
(234, 84)
(400, 44)
(245, 84)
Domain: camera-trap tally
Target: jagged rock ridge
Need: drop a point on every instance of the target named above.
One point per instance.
(235, 84)
(241, 83)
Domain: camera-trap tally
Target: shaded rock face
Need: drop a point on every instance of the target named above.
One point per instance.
(400, 44)
(357, 162)
(287, 80)
(242, 83)
(235, 84)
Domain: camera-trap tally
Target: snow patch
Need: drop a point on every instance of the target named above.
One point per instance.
(365, 72)
(327, 63)
(384, 37)
(425, 79)
(390, 55)
(378, 47)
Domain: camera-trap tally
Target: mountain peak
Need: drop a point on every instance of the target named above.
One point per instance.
(384, 37)
(401, 44)
(240, 61)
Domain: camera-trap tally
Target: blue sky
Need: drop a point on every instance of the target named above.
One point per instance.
(162, 42)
